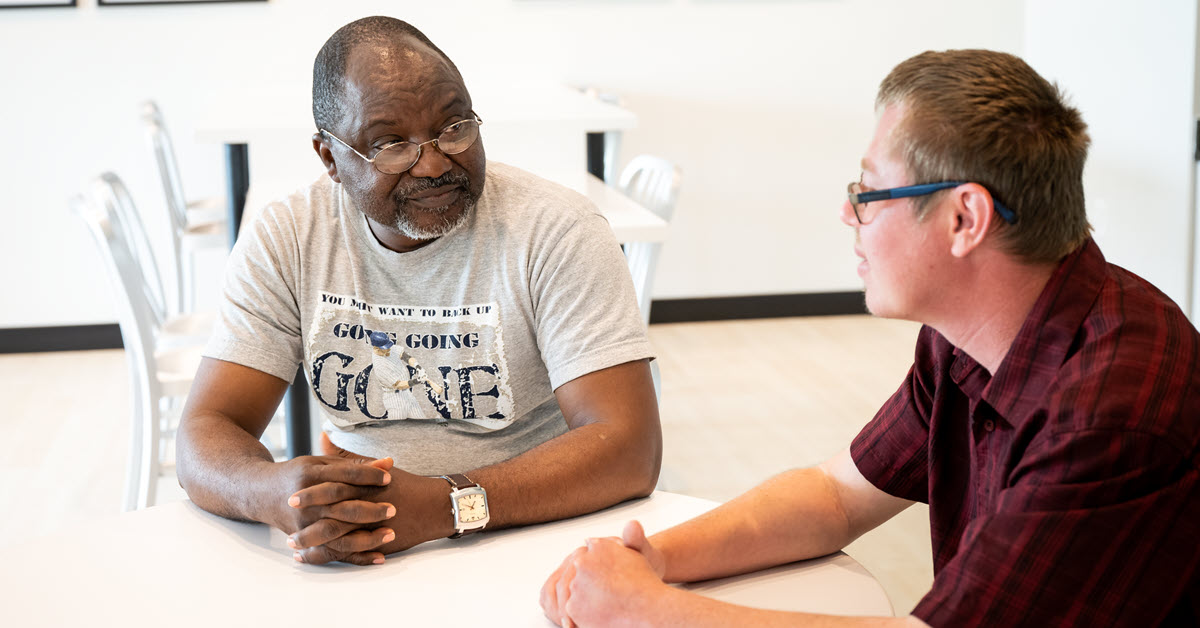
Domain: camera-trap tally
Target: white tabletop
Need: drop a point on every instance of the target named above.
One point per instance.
(176, 565)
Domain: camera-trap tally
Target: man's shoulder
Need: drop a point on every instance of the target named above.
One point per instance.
(518, 192)
(1134, 364)
(283, 204)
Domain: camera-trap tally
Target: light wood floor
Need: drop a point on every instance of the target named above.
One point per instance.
(741, 401)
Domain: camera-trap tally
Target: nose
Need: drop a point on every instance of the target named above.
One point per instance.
(848, 217)
(431, 163)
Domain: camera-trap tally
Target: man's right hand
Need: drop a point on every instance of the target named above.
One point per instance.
(324, 498)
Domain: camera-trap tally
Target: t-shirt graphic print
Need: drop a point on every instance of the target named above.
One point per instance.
(377, 362)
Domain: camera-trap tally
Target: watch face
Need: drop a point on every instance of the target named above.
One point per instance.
(472, 508)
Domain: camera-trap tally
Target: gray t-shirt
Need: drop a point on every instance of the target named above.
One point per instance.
(530, 293)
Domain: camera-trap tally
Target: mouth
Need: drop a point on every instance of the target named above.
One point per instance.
(434, 198)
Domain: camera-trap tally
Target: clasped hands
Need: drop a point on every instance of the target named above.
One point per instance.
(354, 509)
(608, 581)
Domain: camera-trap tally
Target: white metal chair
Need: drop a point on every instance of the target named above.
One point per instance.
(159, 377)
(653, 182)
(196, 225)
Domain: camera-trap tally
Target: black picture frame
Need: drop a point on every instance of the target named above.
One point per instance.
(36, 4)
(127, 3)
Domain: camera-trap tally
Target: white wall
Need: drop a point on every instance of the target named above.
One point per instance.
(1131, 69)
(766, 105)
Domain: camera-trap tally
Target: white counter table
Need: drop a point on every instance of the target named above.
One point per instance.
(176, 565)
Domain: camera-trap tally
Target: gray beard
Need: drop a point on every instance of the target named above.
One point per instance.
(406, 226)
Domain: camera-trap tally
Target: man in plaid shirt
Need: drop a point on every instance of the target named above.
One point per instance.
(1051, 418)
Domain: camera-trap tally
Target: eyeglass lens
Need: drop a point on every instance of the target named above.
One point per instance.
(854, 188)
(454, 139)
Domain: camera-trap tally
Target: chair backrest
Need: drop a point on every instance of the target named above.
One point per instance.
(653, 182)
(135, 313)
(108, 191)
(168, 168)
(172, 183)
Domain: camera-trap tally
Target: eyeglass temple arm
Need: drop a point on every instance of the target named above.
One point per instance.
(928, 188)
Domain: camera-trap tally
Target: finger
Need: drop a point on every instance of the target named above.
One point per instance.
(317, 555)
(548, 596)
(359, 511)
(382, 463)
(346, 472)
(328, 493)
(362, 540)
(364, 558)
(562, 586)
(562, 592)
(327, 446)
(634, 537)
(319, 533)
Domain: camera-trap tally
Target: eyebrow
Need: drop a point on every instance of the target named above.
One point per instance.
(456, 98)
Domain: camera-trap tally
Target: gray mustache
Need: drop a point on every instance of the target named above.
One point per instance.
(420, 185)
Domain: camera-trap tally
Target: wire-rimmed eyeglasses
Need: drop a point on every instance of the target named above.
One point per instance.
(398, 157)
(859, 198)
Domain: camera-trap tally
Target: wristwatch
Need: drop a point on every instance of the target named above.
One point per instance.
(468, 504)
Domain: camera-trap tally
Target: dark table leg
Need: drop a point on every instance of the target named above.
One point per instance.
(299, 435)
(237, 182)
(237, 177)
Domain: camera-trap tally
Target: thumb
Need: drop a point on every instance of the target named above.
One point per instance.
(380, 463)
(634, 537)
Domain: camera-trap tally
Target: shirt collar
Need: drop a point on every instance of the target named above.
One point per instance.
(1041, 346)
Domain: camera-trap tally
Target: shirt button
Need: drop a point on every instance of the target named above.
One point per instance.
(989, 425)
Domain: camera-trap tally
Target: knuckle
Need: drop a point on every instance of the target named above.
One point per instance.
(307, 476)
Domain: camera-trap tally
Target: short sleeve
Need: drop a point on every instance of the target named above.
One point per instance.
(586, 313)
(892, 451)
(259, 322)
(1099, 528)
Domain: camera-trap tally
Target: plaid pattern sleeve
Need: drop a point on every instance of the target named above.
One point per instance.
(892, 451)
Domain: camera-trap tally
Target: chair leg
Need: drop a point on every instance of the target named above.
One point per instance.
(133, 463)
(187, 289)
(151, 464)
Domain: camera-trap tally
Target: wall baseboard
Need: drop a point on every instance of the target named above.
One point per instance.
(63, 338)
(761, 306)
(87, 337)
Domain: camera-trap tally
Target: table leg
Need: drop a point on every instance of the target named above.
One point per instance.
(299, 435)
(237, 177)
(237, 182)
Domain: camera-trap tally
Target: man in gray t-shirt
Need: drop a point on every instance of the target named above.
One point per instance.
(456, 318)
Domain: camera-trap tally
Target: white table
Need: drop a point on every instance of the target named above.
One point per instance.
(176, 565)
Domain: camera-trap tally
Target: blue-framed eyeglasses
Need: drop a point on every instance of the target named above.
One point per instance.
(859, 198)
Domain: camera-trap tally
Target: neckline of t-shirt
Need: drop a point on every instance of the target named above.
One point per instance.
(363, 228)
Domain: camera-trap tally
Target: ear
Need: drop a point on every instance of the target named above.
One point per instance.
(322, 148)
(972, 218)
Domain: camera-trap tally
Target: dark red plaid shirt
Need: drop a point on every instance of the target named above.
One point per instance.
(1064, 489)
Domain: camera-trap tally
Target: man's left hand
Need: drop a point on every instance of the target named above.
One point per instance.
(604, 582)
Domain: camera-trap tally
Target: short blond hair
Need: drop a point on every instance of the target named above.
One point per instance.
(989, 118)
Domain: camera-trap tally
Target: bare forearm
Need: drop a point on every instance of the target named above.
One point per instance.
(588, 468)
(793, 516)
(222, 467)
(682, 608)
